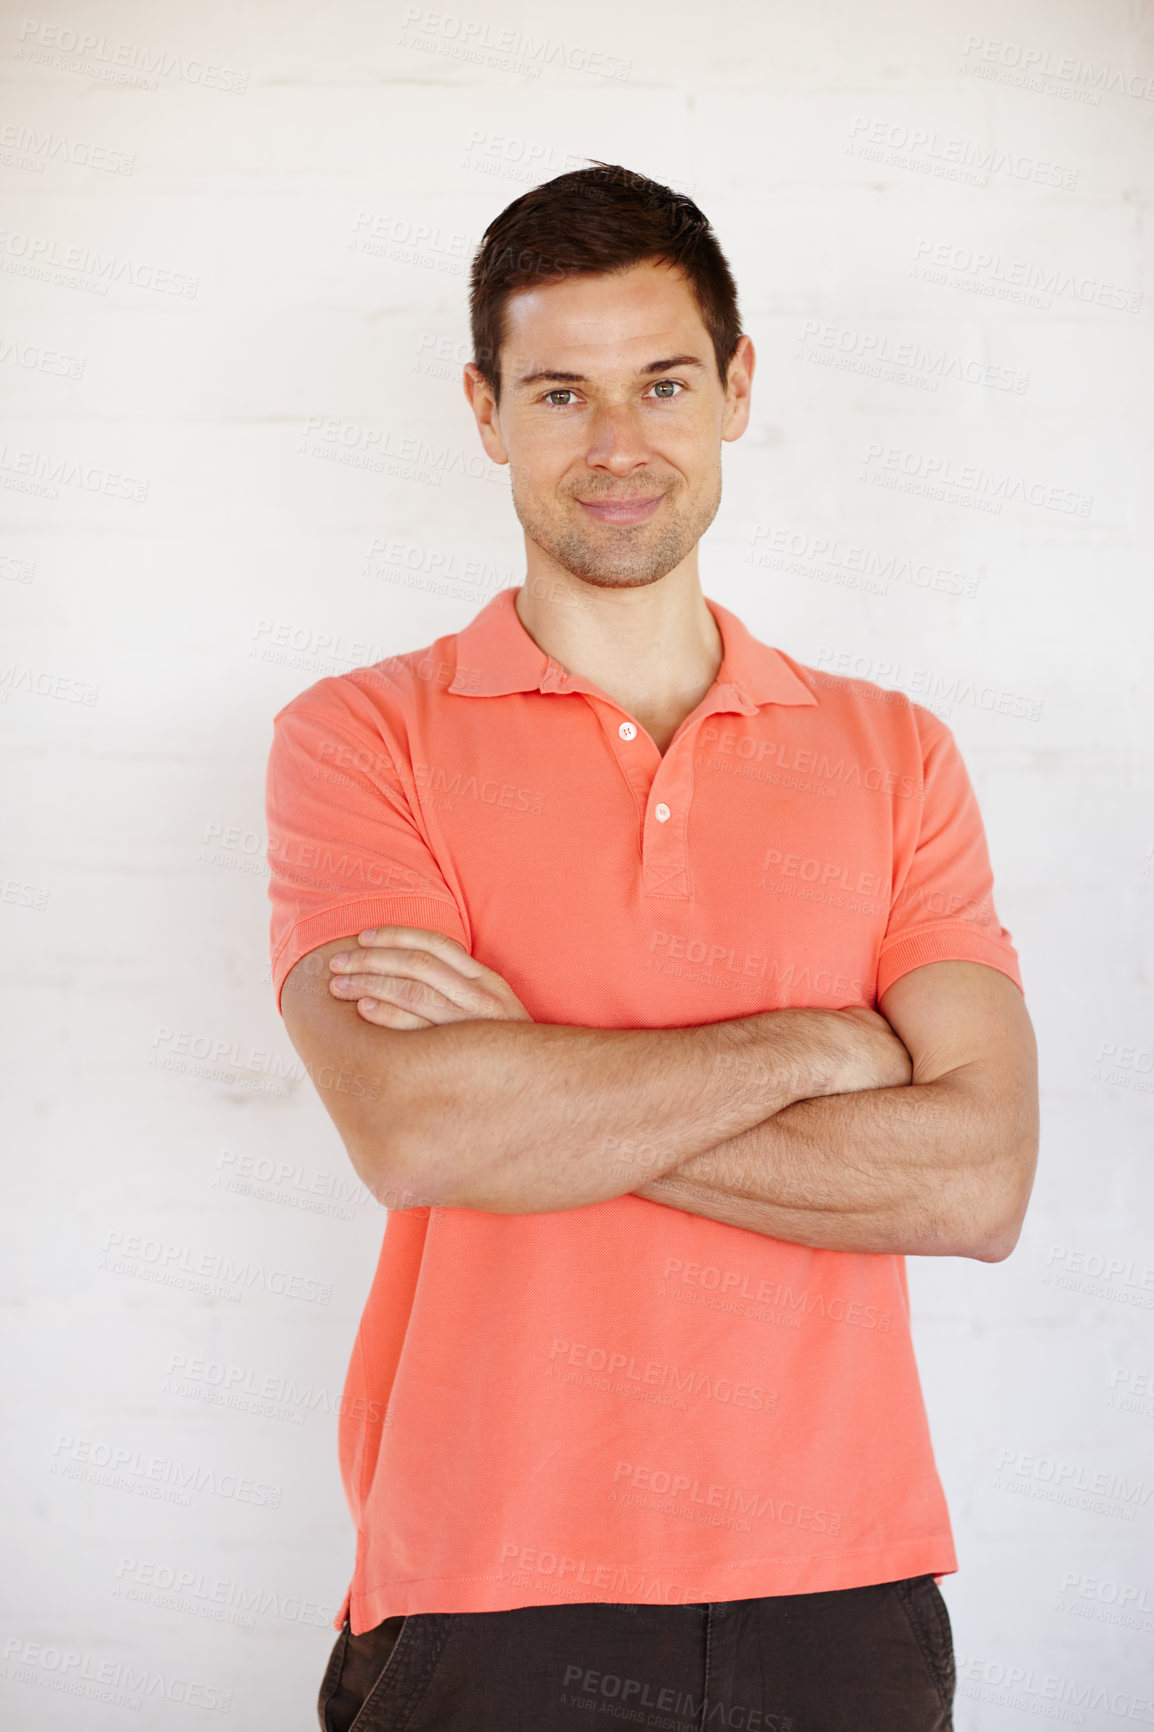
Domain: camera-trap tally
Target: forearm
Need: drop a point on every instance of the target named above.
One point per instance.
(463, 1101)
(938, 1168)
(522, 1117)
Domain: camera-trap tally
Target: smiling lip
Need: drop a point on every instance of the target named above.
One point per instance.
(622, 510)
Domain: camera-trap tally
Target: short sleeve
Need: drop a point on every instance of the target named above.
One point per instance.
(943, 906)
(345, 850)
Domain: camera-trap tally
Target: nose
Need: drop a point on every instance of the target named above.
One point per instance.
(617, 440)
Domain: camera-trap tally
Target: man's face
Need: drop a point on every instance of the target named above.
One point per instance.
(611, 420)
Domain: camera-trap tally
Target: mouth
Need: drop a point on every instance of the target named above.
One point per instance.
(621, 510)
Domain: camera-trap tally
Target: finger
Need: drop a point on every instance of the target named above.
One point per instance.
(385, 1015)
(432, 944)
(402, 988)
(423, 938)
(434, 971)
(404, 994)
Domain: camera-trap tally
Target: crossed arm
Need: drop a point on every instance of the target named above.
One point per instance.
(943, 1165)
(913, 1131)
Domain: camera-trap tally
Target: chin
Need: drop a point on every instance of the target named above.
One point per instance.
(607, 567)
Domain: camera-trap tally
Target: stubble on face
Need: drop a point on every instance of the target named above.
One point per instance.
(618, 555)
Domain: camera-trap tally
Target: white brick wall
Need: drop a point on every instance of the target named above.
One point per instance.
(138, 690)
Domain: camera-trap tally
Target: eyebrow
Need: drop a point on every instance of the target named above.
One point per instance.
(582, 379)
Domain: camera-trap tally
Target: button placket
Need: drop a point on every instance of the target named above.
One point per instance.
(665, 821)
(636, 755)
(665, 838)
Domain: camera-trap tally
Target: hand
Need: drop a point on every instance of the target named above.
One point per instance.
(875, 1058)
(406, 977)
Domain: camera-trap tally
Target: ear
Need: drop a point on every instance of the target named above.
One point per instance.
(739, 389)
(483, 404)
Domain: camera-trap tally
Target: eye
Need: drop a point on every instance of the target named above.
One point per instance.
(666, 387)
(561, 391)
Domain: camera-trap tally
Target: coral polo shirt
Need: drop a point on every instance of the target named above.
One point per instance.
(627, 1402)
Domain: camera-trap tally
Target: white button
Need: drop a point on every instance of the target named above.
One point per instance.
(661, 813)
(627, 731)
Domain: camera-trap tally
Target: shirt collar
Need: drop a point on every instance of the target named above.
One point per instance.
(496, 656)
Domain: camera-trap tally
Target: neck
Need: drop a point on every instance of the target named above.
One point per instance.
(654, 649)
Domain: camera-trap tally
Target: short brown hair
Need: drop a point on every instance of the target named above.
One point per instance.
(592, 221)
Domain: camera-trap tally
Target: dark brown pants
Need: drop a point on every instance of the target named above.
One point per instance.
(873, 1659)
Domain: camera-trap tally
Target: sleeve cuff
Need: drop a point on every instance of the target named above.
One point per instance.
(345, 918)
(946, 943)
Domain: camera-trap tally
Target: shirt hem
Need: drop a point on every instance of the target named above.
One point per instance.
(756, 1578)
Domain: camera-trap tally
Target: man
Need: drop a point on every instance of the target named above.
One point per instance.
(654, 983)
